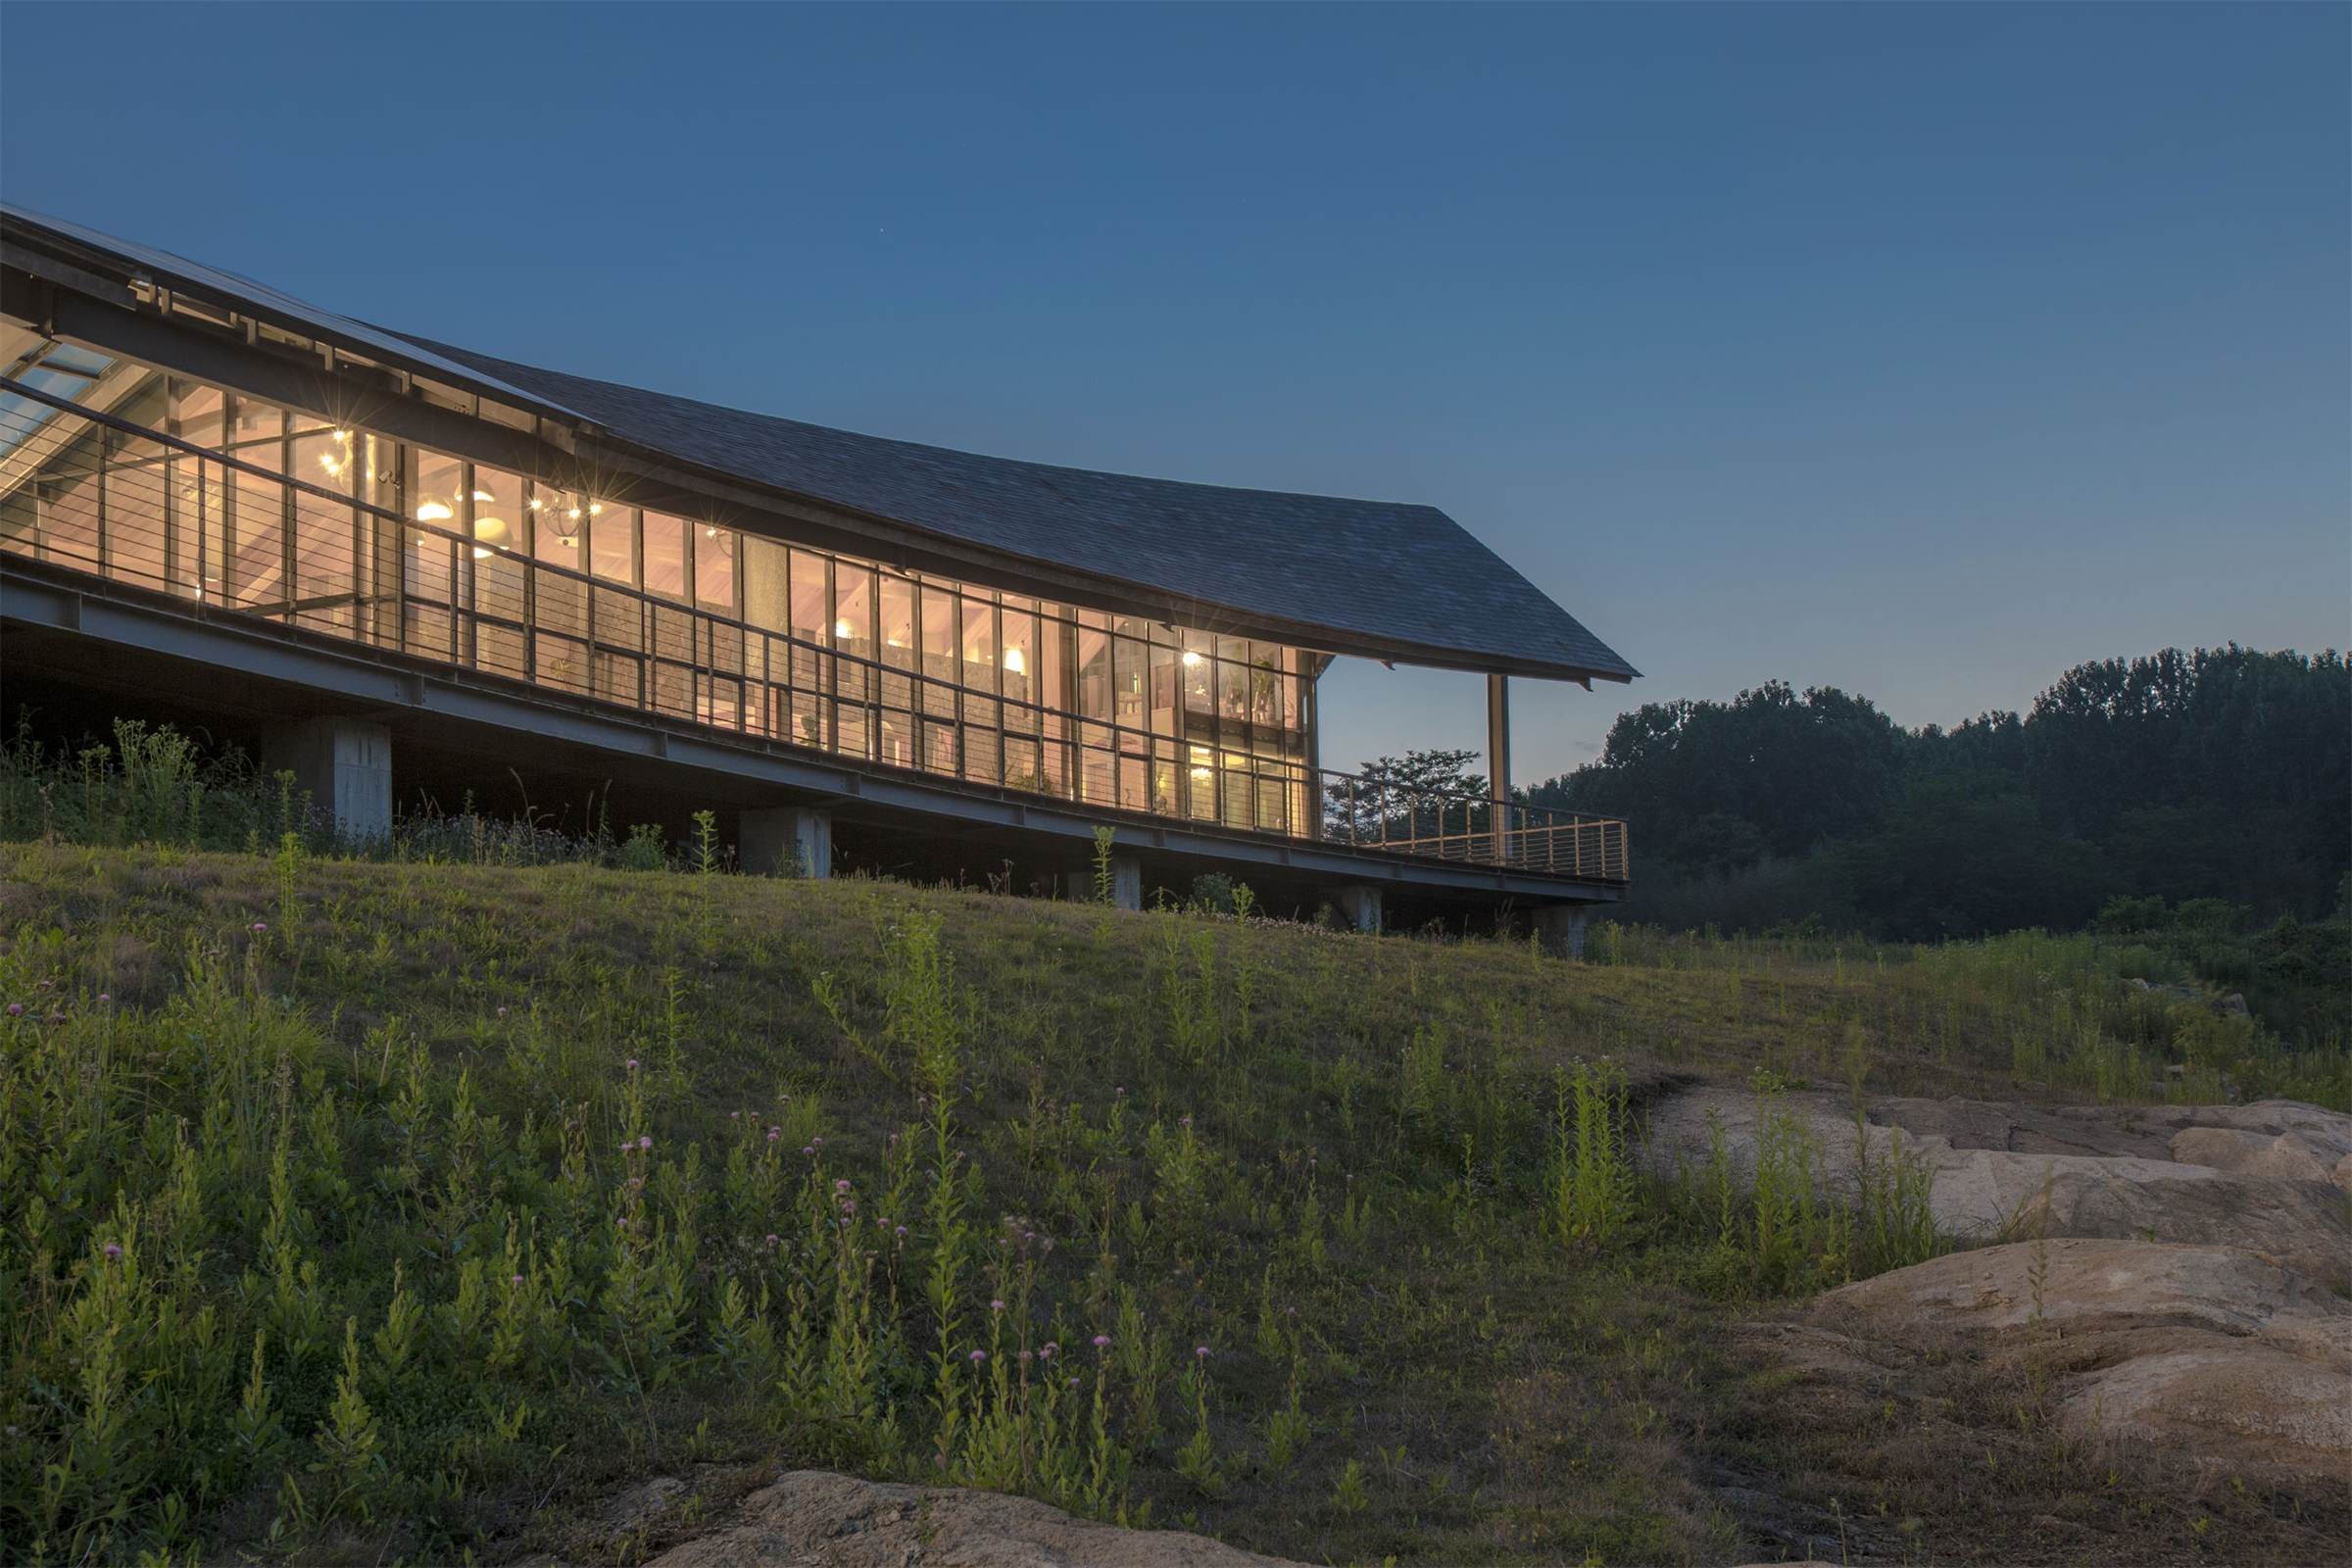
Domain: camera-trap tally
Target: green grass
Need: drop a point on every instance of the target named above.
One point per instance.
(415, 1206)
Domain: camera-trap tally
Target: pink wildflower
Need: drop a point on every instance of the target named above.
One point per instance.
(1101, 1342)
(979, 1357)
(644, 1141)
(112, 1252)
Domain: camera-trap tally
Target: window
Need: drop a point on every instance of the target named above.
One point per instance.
(664, 554)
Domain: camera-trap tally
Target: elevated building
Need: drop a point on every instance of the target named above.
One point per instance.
(405, 570)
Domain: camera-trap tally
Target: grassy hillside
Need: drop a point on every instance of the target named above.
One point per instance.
(408, 1210)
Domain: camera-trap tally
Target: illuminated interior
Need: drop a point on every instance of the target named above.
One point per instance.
(596, 597)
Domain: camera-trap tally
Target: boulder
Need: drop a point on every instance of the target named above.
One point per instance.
(2213, 1353)
(817, 1519)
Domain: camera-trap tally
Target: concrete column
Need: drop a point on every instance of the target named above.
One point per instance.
(1561, 928)
(1498, 762)
(788, 840)
(346, 766)
(1126, 883)
(1359, 903)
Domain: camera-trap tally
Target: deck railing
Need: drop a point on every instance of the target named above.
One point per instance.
(102, 494)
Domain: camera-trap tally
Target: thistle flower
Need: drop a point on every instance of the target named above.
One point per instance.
(644, 1141)
(774, 1133)
(1047, 1354)
(517, 1280)
(104, 999)
(1200, 1351)
(901, 1230)
(16, 1009)
(841, 1187)
(632, 1064)
(771, 1239)
(1101, 1342)
(996, 1307)
(260, 926)
(979, 1357)
(112, 1252)
(502, 1013)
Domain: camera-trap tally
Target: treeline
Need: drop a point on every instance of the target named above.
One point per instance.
(2222, 774)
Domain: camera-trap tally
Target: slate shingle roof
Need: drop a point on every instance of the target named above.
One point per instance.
(1385, 578)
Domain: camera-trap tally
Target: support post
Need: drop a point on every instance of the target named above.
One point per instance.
(346, 766)
(1561, 929)
(1126, 883)
(1498, 763)
(789, 840)
(1360, 905)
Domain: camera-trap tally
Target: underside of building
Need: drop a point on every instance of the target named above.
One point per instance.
(416, 576)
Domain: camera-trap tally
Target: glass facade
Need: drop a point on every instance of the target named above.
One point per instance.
(472, 565)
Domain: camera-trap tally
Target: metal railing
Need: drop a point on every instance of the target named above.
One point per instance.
(102, 494)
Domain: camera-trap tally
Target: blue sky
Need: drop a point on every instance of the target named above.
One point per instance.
(1922, 351)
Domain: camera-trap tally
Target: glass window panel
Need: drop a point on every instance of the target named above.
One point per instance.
(437, 497)
(557, 528)
(852, 608)
(664, 554)
(938, 632)
(1233, 690)
(898, 621)
(612, 539)
(977, 645)
(811, 599)
(715, 568)
(1020, 659)
(1165, 683)
(199, 409)
(1200, 672)
(498, 510)
(1127, 678)
(256, 422)
(1094, 673)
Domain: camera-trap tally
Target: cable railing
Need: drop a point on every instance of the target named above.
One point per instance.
(99, 494)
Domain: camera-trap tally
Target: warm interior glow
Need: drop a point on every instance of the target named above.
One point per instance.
(433, 512)
(1014, 662)
(1191, 659)
(841, 628)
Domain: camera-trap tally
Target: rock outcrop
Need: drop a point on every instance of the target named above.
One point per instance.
(2208, 1352)
(2272, 1177)
(817, 1519)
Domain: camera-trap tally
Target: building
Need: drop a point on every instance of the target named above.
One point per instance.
(405, 570)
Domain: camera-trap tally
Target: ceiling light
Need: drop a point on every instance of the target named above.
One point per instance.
(1191, 659)
(841, 628)
(1014, 664)
(433, 512)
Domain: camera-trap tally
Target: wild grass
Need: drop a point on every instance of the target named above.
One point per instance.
(420, 1205)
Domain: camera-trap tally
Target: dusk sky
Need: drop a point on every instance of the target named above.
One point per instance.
(1918, 351)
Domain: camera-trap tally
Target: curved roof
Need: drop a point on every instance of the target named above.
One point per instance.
(1392, 579)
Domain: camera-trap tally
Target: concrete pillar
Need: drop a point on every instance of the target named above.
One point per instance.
(1359, 904)
(1126, 883)
(788, 840)
(1561, 928)
(346, 766)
